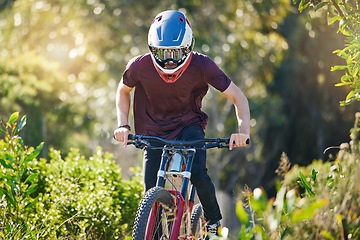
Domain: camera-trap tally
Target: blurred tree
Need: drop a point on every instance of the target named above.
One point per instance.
(310, 101)
(33, 85)
(5, 4)
(37, 51)
(61, 62)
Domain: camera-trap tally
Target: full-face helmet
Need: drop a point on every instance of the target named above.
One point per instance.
(171, 44)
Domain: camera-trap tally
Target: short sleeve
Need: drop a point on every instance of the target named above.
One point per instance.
(215, 76)
(130, 78)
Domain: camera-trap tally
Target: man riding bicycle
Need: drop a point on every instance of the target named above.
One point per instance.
(170, 82)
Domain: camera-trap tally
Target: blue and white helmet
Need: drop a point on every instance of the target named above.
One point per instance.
(171, 39)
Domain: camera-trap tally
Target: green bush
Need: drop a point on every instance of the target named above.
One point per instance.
(17, 185)
(319, 201)
(62, 198)
(339, 182)
(86, 198)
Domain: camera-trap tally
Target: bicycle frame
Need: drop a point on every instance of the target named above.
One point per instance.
(179, 152)
(180, 197)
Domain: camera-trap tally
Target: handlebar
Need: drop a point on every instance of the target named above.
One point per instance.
(141, 141)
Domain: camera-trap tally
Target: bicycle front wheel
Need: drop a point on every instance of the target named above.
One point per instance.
(155, 216)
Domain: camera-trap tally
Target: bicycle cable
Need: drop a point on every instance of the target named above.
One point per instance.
(177, 192)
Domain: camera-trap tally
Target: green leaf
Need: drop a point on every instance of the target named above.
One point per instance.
(21, 125)
(334, 19)
(9, 158)
(34, 153)
(31, 177)
(31, 204)
(313, 174)
(320, 5)
(350, 95)
(346, 78)
(11, 184)
(356, 56)
(339, 219)
(342, 52)
(306, 184)
(342, 84)
(7, 166)
(338, 67)
(346, 33)
(327, 235)
(301, 3)
(303, 7)
(20, 173)
(241, 213)
(13, 117)
(8, 177)
(31, 189)
(309, 212)
(355, 72)
(9, 197)
(347, 102)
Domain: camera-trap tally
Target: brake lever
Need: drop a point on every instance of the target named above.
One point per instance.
(140, 143)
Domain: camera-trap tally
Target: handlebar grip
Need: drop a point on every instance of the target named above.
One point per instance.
(131, 137)
(247, 141)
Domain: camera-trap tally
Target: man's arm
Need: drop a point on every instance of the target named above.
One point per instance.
(123, 100)
(236, 96)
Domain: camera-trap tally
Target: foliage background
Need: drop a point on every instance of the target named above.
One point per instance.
(60, 62)
(62, 198)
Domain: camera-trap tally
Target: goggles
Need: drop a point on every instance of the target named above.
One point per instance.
(173, 54)
(164, 55)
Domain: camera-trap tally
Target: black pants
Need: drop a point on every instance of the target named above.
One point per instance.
(199, 177)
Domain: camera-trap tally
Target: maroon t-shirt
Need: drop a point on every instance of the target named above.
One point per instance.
(165, 109)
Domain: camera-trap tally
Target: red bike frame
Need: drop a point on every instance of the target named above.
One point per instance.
(179, 196)
(179, 216)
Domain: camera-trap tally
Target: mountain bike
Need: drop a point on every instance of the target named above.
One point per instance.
(167, 211)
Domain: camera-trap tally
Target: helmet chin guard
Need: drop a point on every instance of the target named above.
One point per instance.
(171, 75)
(170, 39)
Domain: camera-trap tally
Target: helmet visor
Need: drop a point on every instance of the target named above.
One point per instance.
(170, 54)
(165, 55)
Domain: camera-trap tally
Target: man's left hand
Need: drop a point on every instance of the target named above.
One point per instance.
(238, 140)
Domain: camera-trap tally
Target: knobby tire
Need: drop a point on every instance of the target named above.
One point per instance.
(198, 223)
(155, 196)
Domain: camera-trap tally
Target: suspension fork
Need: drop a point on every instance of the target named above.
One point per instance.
(161, 173)
(187, 172)
(192, 197)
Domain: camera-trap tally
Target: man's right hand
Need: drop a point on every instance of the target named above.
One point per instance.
(121, 135)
